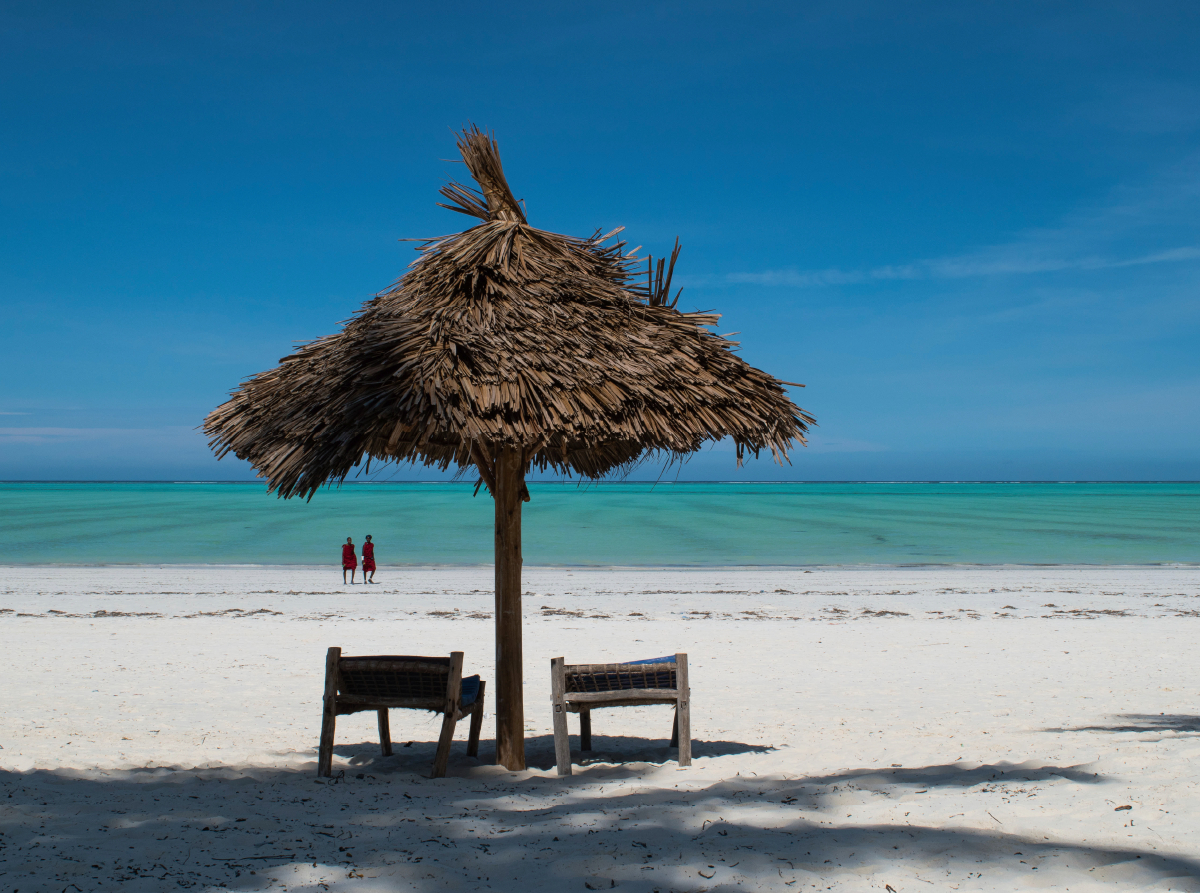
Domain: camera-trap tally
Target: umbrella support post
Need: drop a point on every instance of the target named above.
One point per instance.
(510, 701)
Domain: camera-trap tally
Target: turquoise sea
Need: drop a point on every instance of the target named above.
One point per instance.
(608, 523)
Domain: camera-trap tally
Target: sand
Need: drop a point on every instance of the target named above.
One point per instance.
(854, 729)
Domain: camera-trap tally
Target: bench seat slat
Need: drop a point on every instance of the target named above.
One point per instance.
(395, 664)
(587, 706)
(656, 667)
(656, 695)
(437, 704)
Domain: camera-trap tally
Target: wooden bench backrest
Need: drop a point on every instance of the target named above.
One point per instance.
(409, 678)
(619, 677)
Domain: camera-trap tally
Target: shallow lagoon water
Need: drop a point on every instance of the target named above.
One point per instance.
(631, 524)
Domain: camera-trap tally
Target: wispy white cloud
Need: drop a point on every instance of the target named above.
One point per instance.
(964, 267)
(818, 443)
(50, 434)
(43, 435)
(64, 432)
(1129, 230)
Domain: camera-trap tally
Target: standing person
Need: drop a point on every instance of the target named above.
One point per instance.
(368, 560)
(349, 561)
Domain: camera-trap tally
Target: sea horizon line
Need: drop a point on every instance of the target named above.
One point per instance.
(589, 483)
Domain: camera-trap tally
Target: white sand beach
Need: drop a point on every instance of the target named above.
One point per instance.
(854, 729)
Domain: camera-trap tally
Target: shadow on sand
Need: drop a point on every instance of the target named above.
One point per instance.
(1181, 723)
(384, 827)
(417, 756)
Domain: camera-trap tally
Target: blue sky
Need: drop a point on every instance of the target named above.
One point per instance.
(971, 229)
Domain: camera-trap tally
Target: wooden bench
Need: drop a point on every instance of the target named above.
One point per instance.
(381, 682)
(582, 688)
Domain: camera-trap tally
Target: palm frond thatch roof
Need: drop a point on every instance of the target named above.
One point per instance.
(505, 335)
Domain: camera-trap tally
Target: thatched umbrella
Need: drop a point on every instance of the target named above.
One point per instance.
(506, 348)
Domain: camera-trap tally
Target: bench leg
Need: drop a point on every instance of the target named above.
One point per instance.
(442, 759)
(476, 722)
(675, 729)
(585, 729)
(325, 752)
(683, 710)
(558, 703)
(562, 740)
(683, 720)
(385, 733)
(328, 714)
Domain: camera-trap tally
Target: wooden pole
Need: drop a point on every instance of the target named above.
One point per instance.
(510, 700)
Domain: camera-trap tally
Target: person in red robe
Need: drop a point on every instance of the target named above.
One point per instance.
(349, 560)
(368, 560)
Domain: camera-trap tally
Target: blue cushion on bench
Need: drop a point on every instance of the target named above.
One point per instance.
(470, 690)
(653, 660)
